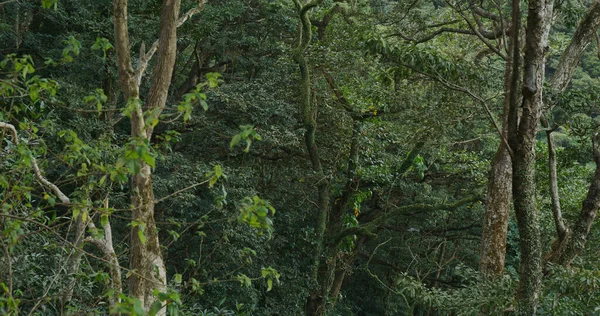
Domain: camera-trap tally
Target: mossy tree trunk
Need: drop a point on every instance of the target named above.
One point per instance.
(315, 303)
(522, 136)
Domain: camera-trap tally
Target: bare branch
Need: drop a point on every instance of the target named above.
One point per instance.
(13, 131)
(455, 87)
(179, 191)
(585, 33)
(431, 35)
(145, 58)
(486, 14)
(480, 36)
(38, 174)
(36, 169)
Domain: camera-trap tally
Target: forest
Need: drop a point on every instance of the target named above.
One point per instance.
(299, 157)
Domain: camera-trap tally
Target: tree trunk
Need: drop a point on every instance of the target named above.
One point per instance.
(74, 260)
(146, 256)
(493, 245)
(524, 188)
(336, 286)
(315, 302)
(565, 250)
(571, 242)
(106, 246)
(495, 221)
(561, 229)
(583, 36)
(499, 191)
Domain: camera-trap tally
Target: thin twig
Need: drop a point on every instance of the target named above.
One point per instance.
(454, 87)
(179, 191)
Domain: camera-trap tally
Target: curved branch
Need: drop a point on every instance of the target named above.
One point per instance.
(432, 35)
(36, 169)
(585, 33)
(368, 228)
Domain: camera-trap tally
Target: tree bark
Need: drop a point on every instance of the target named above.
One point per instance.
(106, 246)
(495, 221)
(566, 250)
(499, 194)
(561, 229)
(498, 199)
(583, 36)
(315, 303)
(146, 257)
(74, 260)
(571, 242)
(524, 188)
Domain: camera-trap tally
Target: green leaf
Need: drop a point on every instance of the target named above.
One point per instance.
(218, 171)
(47, 4)
(269, 284)
(235, 140)
(204, 105)
(103, 220)
(178, 278)
(153, 121)
(141, 236)
(138, 309)
(244, 280)
(214, 78)
(76, 212)
(212, 181)
(102, 180)
(34, 93)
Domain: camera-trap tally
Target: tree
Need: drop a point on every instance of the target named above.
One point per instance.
(146, 257)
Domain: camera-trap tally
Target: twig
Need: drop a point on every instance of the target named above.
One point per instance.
(179, 191)
(36, 169)
(454, 87)
(7, 1)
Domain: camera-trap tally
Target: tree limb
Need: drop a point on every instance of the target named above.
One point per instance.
(36, 169)
(583, 36)
(454, 87)
(147, 56)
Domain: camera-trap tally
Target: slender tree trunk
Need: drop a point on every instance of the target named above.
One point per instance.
(336, 286)
(499, 190)
(74, 259)
(561, 229)
(524, 187)
(586, 31)
(565, 250)
(315, 303)
(571, 242)
(106, 246)
(495, 221)
(499, 193)
(146, 256)
(332, 269)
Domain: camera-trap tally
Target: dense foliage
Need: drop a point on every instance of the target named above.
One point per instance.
(320, 157)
